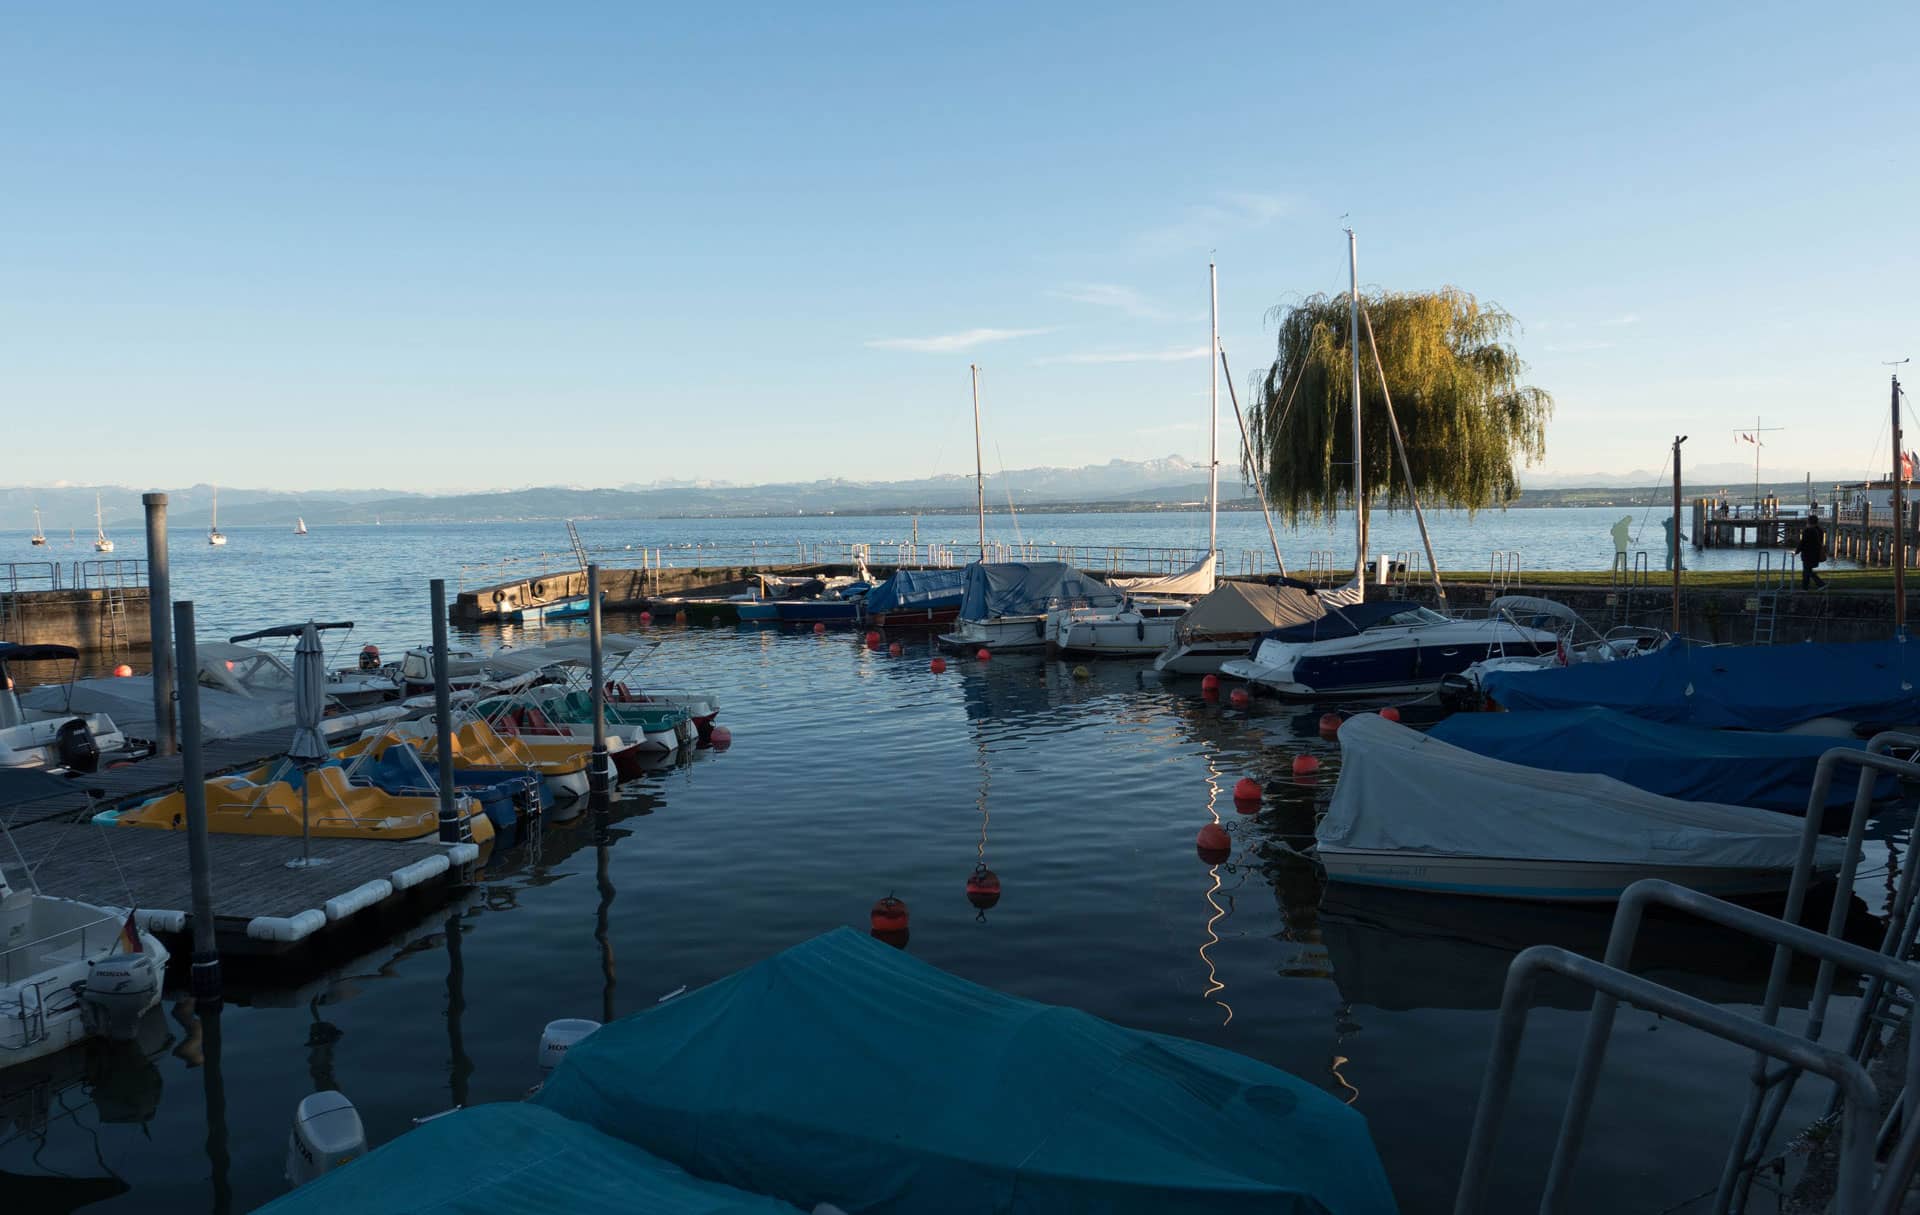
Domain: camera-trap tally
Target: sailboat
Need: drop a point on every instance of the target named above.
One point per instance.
(1389, 647)
(100, 542)
(299, 526)
(215, 536)
(1145, 626)
(39, 537)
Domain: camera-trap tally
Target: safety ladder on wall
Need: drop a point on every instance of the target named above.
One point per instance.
(1631, 573)
(1768, 582)
(113, 622)
(579, 549)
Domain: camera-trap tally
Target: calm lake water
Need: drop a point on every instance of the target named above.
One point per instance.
(854, 774)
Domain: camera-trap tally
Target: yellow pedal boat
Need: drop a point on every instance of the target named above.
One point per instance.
(561, 762)
(251, 805)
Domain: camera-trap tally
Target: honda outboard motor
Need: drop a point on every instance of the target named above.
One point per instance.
(74, 747)
(118, 990)
(326, 1134)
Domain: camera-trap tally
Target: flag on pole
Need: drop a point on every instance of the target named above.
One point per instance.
(129, 941)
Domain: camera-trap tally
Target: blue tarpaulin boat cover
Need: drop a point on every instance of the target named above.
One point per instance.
(917, 589)
(845, 1071)
(1740, 687)
(1019, 589)
(1740, 768)
(494, 1159)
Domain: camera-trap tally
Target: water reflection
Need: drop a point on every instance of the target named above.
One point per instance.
(1214, 985)
(459, 1067)
(604, 882)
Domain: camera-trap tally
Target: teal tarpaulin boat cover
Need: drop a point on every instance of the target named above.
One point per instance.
(1735, 767)
(1740, 687)
(496, 1159)
(1014, 588)
(845, 1071)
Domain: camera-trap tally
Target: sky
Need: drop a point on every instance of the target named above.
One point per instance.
(443, 246)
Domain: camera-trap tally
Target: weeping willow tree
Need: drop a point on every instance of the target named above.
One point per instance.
(1455, 379)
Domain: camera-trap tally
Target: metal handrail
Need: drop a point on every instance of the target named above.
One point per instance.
(23, 949)
(16, 572)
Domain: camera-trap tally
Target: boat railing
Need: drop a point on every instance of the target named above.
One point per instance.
(109, 573)
(19, 960)
(17, 576)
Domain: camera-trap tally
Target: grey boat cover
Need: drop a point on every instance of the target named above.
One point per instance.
(1016, 588)
(1244, 609)
(130, 703)
(1403, 791)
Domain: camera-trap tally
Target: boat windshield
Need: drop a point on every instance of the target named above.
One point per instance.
(1415, 615)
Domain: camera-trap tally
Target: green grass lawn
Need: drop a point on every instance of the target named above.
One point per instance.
(1840, 580)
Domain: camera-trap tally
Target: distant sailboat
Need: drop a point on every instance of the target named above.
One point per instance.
(299, 526)
(39, 537)
(214, 535)
(100, 543)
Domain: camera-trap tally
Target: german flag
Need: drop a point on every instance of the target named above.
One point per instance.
(129, 941)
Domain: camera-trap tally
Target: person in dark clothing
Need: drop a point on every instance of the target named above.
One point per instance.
(1813, 550)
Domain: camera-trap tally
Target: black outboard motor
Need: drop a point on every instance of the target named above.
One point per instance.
(73, 745)
(1459, 694)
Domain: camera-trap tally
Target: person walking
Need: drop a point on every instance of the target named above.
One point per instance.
(1813, 550)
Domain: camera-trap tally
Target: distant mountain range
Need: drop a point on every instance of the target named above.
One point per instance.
(1117, 484)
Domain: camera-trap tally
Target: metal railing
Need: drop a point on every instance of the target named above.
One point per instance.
(17, 576)
(15, 962)
(1503, 568)
(118, 573)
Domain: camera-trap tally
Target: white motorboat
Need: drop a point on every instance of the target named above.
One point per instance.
(215, 536)
(1006, 605)
(1385, 648)
(1414, 813)
(1140, 628)
(100, 542)
(70, 971)
(55, 740)
(466, 670)
(1222, 626)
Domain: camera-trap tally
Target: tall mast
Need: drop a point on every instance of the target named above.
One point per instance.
(979, 476)
(1899, 525)
(1353, 356)
(1213, 417)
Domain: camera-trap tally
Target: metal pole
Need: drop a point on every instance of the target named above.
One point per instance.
(1406, 467)
(1677, 441)
(1247, 461)
(159, 635)
(443, 715)
(979, 477)
(1213, 418)
(597, 776)
(193, 785)
(1353, 356)
(1899, 526)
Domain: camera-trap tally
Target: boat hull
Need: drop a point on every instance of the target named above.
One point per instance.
(1125, 635)
(1201, 657)
(1535, 880)
(1002, 633)
(914, 618)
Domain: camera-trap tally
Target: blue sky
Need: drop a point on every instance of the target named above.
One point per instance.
(434, 246)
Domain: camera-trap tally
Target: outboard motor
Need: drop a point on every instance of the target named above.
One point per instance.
(559, 1037)
(119, 989)
(74, 747)
(1459, 694)
(326, 1134)
(369, 657)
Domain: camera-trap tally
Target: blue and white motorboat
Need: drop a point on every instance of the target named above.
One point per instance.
(1006, 605)
(1411, 812)
(915, 599)
(1389, 647)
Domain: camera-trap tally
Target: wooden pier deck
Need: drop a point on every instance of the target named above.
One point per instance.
(151, 777)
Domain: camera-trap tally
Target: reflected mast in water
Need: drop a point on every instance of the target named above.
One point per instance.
(603, 849)
(983, 886)
(1214, 985)
(459, 1066)
(201, 1048)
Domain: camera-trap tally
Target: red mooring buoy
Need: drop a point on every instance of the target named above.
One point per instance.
(1247, 789)
(1239, 699)
(819, 628)
(889, 915)
(984, 654)
(873, 637)
(680, 617)
(1305, 765)
(1330, 723)
(1213, 844)
(721, 738)
(123, 671)
(983, 888)
(1390, 713)
(1210, 685)
(896, 649)
(646, 618)
(938, 666)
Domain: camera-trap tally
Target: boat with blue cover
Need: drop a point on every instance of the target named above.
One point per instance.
(1389, 647)
(1005, 605)
(1735, 767)
(915, 599)
(1837, 688)
(847, 1073)
(509, 796)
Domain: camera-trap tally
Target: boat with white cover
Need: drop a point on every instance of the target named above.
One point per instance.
(1221, 626)
(1414, 813)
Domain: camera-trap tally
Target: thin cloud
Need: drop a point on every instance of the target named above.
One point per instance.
(1582, 347)
(1110, 295)
(1204, 223)
(1625, 318)
(1127, 356)
(943, 343)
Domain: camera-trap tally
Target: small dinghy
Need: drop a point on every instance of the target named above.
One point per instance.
(1415, 813)
(69, 971)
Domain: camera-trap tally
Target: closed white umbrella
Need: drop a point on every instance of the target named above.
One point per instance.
(309, 748)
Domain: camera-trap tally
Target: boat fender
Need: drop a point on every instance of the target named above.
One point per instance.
(286, 929)
(561, 1036)
(1140, 630)
(538, 590)
(499, 597)
(361, 897)
(408, 876)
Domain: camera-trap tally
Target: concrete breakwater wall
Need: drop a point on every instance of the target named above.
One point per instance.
(1726, 616)
(94, 620)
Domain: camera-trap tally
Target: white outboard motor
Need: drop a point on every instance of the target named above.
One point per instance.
(119, 988)
(326, 1134)
(559, 1037)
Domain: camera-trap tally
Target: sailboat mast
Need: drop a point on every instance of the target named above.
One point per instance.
(979, 475)
(1353, 356)
(1213, 415)
(1899, 523)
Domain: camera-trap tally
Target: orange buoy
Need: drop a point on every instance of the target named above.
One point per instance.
(1210, 684)
(819, 628)
(938, 666)
(983, 888)
(1390, 713)
(680, 617)
(646, 618)
(1213, 844)
(896, 649)
(1305, 765)
(1247, 789)
(123, 671)
(1239, 699)
(873, 637)
(984, 654)
(1330, 723)
(721, 738)
(889, 915)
